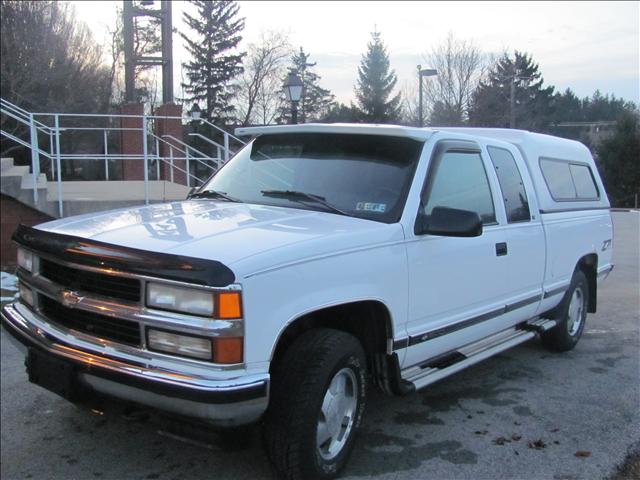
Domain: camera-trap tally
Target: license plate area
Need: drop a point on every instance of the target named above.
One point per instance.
(57, 376)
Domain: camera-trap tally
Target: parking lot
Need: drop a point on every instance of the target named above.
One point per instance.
(525, 414)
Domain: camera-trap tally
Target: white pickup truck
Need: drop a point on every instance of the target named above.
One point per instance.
(320, 260)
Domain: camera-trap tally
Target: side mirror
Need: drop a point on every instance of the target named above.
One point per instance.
(191, 192)
(449, 222)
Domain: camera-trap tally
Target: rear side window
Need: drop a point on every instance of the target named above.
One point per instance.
(583, 181)
(460, 181)
(514, 194)
(569, 181)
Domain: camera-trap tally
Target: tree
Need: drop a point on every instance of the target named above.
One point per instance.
(618, 160)
(215, 62)
(532, 105)
(49, 62)
(341, 113)
(449, 94)
(376, 81)
(260, 85)
(316, 101)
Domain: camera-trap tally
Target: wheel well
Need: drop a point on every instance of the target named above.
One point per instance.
(368, 321)
(589, 266)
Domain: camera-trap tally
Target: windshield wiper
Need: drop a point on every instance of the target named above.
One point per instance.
(301, 196)
(213, 194)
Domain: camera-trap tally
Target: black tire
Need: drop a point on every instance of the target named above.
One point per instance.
(299, 383)
(565, 335)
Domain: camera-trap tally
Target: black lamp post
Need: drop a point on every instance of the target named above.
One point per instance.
(293, 92)
(195, 113)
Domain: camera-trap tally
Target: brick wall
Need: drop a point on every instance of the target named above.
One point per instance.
(12, 214)
(132, 141)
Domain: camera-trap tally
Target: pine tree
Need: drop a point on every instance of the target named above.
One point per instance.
(316, 101)
(214, 62)
(618, 158)
(533, 102)
(375, 85)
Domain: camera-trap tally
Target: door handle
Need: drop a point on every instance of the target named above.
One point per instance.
(501, 249)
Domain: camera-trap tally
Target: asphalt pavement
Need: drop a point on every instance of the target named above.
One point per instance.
(525, 414)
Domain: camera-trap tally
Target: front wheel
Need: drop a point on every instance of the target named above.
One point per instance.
(316, 405)
(571, 316)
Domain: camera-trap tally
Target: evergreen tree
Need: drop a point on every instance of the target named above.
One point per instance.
(315, 101)
(533, 102)
(618, 161)
(214, 62)
(374, 91)
(341, 113)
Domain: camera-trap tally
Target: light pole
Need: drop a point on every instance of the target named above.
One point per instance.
(293, 91)
(427, 72)
(512, 99)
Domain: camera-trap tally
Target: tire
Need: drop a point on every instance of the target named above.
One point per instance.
(302, 405)
(571, 316)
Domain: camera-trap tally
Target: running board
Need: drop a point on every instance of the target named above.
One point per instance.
(444, 365)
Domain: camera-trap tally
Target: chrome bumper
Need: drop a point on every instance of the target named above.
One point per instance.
(225, 402)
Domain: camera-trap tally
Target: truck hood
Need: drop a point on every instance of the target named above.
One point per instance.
(245, 237)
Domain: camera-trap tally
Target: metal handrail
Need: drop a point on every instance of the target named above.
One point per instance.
(42, 126)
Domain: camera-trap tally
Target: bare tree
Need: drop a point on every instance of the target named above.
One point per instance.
(49, 61)
(260, 84)
(460, 65)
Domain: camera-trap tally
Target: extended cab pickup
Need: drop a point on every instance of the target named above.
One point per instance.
(320, 260)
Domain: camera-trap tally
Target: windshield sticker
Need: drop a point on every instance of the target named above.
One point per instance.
(371, 207)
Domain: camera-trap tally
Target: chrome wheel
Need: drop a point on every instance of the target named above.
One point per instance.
(337, 413)
(575, 312)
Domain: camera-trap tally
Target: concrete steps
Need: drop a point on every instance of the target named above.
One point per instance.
(82, 196)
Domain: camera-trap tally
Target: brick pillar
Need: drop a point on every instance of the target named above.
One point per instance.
(131, 141)
(173, 127)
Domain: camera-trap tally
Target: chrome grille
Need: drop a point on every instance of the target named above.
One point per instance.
(101, 284)
(101, 326)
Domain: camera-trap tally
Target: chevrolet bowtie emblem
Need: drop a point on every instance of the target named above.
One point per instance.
(69, 298)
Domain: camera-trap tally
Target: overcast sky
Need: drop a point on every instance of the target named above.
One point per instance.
(581, 45)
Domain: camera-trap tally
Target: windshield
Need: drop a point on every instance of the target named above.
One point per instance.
(364, 176)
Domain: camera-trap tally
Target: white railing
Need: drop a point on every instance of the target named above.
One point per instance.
(31, 129)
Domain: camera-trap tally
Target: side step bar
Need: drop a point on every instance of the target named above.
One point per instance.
(444, 365)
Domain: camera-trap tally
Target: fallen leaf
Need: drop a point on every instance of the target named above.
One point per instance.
(517, 423)
(481, 432)
(515, 437)
(538, 444)
(583, 453)
(501, 441)
(554, 430)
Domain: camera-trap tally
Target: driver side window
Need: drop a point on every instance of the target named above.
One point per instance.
(459, 181)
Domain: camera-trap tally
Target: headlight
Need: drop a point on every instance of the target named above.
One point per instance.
(25, 259)
(180, 299)
(179, 344)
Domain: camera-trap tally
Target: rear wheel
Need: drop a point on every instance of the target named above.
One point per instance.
(316, 405)
(572, 315)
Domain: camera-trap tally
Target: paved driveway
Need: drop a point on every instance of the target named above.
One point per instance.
(523, 414)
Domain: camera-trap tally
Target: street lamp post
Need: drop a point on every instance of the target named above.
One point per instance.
(427, 72)
(512, 99)
(195, 113)
(293, 91)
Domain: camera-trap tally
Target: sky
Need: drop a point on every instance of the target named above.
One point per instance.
(584, 46)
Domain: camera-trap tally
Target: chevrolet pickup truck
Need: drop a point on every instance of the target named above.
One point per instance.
(321, 261)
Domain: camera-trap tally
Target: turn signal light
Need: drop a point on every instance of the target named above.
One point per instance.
(227, 350)
(229, 306)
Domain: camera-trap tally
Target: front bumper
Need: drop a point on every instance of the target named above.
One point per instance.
(227, 402)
